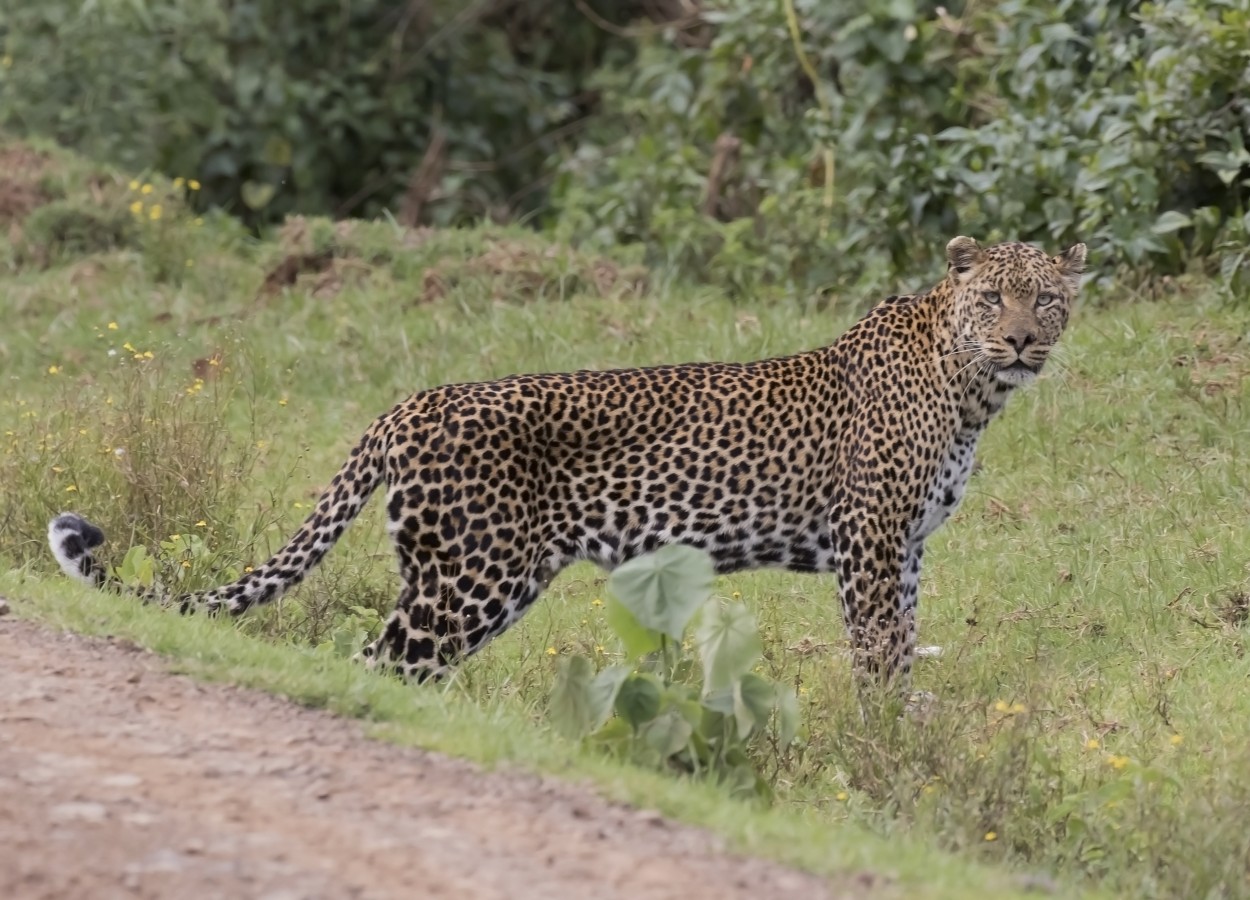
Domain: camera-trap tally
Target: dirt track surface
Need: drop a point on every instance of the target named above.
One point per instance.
(118, 779)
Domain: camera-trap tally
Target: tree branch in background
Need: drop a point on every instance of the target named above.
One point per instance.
(424, 180)
(687, 18)
(724, 156)
(826, 108)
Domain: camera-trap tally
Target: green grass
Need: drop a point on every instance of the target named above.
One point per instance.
(1091, 593)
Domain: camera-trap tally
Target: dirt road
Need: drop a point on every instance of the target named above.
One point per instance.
(118, 779)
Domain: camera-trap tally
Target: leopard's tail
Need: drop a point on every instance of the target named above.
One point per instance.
(73, 539)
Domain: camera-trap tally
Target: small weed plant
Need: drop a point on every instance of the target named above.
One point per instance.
(688, 698)
(150, 456)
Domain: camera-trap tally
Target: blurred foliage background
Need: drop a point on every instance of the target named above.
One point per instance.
(802, 145)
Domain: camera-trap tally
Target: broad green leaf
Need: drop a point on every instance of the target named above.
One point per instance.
(729, 643)
(257, 194)
(1171, 221)
(603, 690)
(137, 568)
(615, 736)
(664, 589)
(754, 698)
(638, 700)
(580, 700)
(742, 781)
(691, 711)
(636, 640)
(348, 640)
(667, 734)
(277, 151)
(721, 700)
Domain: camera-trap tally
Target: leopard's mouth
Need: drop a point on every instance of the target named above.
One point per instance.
(1019, 372)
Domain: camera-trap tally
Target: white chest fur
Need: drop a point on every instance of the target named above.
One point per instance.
(948, 486)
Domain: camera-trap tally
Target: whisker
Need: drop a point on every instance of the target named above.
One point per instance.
(981, 370)
(975, 361)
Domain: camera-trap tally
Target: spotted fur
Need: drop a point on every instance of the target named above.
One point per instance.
(842, 459)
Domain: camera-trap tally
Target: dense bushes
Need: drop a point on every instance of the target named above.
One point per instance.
(1080, 119)
(811, 145)
(312, 105)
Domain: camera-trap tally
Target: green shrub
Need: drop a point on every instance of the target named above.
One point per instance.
(74, 228)
(1085, 120)
(671, 711)
(810, 146)
(307, 106)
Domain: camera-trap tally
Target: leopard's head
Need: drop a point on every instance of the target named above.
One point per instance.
(1011, 302)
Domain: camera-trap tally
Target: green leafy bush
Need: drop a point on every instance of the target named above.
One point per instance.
(1112, 123)
(307, 106)
(810, 146)
(669, 709)
(67, 228)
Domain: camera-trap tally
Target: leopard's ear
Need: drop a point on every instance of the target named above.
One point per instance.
(962, 255)
(1071, 264)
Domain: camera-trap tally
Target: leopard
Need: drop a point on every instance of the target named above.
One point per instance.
(843, 459)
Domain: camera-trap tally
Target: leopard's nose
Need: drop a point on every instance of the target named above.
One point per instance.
(1019, 338)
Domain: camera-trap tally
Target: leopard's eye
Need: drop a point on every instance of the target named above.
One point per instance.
(993, 298)
(1044, 300)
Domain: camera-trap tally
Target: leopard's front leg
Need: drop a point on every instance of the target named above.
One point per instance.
(878, 581)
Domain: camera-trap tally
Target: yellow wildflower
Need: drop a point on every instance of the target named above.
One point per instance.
(129, 348)
(193, 184)
(190, 263)
(6, 61)
(134, 185)
(1175, 740)
(185, 564)
(1117, 762)
(247, 568)
(551, 651)
(137, 207)
(179, 181)
(71, 489)
(841, 796)
(52, 370)
(598, 648)
(282, 401)
(57, 469)
(112, 326)
(737, 595)
(1092, 744)
(991, 835)
(596, 602)
(1002, 706)
(155, 213)
(201, 524)
(199, 220)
